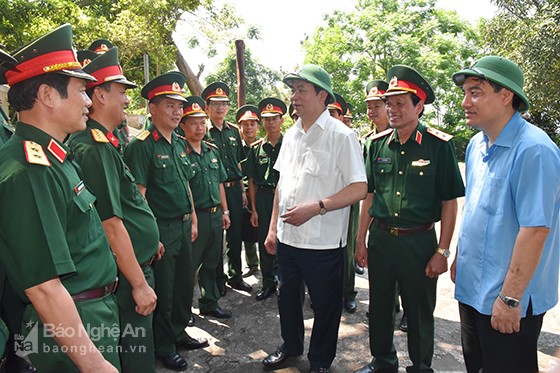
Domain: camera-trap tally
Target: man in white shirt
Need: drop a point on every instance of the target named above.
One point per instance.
(321, 174)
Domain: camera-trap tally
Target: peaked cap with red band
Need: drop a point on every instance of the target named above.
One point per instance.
(106, 68)
(247, 112)
(376, 89)
(100, 46)
(51, 53)
(404, 79)
(349, 109)
(168, 85)
(217, 91)
(271, 106)
(194, 107)
(339, 104)
(85, 56)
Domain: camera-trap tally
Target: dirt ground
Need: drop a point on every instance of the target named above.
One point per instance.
(240, 343)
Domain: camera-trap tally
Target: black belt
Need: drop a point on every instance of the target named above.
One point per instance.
(209, 210)
(183, 217)
(96, 293)
(267, 188)
(229, 184)
(148, 262)
(402, 231)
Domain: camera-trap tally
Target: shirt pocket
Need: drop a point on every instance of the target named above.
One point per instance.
(493, 194)
(164, 170)
(214, 170)
(383, 173)
(316, 163)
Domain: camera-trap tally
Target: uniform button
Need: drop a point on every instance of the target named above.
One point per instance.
(402, 152)
(400, 172)
(396, 214)
(382, 171)
(421, 173)
(164, 165)
(398, 193)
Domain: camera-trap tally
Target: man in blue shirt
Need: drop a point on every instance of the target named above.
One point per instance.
(506, 268)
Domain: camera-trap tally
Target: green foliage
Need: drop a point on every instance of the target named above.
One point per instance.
(361, 45)
(527, 32)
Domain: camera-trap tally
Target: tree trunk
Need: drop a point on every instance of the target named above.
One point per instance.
(192, 80)
(241, 84)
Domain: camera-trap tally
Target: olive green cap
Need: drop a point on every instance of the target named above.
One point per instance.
(271, 106)
(6, 60)
(100, 46)
(349, 109)
(194, 107)
(168, 85)
(315, 75)
(375, 90)
(106, 68)
(85, 56)
(404, 79)
(499, 70)
(247, 112)
(217, 91)
(338, 104)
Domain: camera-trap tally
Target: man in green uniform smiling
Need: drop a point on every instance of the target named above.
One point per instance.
(158, 160)
(413, 182)
(54, 249)
(210, 205)
(128, 221)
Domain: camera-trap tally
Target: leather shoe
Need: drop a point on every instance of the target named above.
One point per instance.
(265, 293)
(350, 305)
(174, 361)
(359, 270)
(222, 289)
(274, 359)
(191, 343)
(190, 323)
(240, 285)
(249, 271)
(319, 370)
(218, 313)
(371, 369)
(403, 326)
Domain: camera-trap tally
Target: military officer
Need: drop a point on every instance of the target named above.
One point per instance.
(263, 178)
(347, 119)
(210, 204)
(226, 137)
(376, 112)
(65, 269)
(158, 160)
(100, 46)
(413, 181)
(248, 121)
(128, 221)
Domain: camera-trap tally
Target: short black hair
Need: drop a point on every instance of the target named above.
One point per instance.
(106, 86)
(22, 95)
(415, 101)
(515, 102)
(157, 99)
(318, 90)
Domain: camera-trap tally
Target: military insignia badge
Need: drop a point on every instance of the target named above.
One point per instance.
(269, 107)
(219, 91)
(175, 87)
(195, 106)
(374, 91)
(98, 136)
(35, 154)
(394, 82)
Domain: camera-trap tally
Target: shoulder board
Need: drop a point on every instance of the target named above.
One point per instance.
(143, 135)
(368, 134)
(257, 143)
(35, 154)
(181, 137)
(439, 134)
(233, 125)
(382, 134)
(98, 136)
(210, 145)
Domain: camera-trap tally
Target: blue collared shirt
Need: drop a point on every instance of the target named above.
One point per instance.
(515, 183)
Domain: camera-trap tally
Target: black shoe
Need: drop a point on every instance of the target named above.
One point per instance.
(265, 293)
(276, 358)
(319, 370)
(359, 270)
(240, 285)
(249, 271)
(191, 343)
(403, 326)
(218, 313)
(191, 321)
(370, 369)
(222, 289)
(350, 305)
(174, 361)
(19, 365)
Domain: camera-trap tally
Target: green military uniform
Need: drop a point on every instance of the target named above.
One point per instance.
(117, 195)
(163, 168)
(249, 233)
(5, 128)
(120, 133)
(409, 182)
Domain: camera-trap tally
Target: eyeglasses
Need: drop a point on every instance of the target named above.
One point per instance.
(219, 103)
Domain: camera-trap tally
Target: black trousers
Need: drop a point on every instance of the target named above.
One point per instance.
(487, 350)
(322, 272)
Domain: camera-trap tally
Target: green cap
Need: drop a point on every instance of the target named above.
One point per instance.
(247, 112)
(100, 46)
(51, 53)
(315, 75)
(338, 104)
(85, 56)
(217, 91)
(499, 70)
(106, 68)
(376, 89)
(194, 107)
(6, 62)
(404, 79)
(271, 106)
(168, 85)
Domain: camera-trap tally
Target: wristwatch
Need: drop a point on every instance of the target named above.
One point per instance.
(444, 252)
(225, 212)
(322, 210)
(509, 301)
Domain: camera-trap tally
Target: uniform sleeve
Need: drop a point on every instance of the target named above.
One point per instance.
(223, 173)
(138, 158)
(448, 179)
(250, 169)
(369, 167)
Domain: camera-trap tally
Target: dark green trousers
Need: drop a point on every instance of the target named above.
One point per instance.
(137, 336)
(174, 275)
(207, 250)
(264, 202)
(401, 259)
(350, 257)
(233, 234)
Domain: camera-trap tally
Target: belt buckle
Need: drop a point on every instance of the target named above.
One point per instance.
(186, 217)
(394, 231)
(213, 209)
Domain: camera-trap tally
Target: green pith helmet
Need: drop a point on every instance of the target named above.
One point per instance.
(315, 75)
(339, 104)
(404, 79)
(271, 106)
(375, 90)
(194, 107)
(106, 68)
(499, 70)
(247, 112)
(217, 91)
(168, 85)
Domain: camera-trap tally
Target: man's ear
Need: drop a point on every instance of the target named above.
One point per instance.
(47, 95)
(507, 96)
(419, 107)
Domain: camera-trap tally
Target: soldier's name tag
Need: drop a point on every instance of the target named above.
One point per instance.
(163, 156)
(79, 188)
(194, 164)
(263, 160)
(420, 163)
(232, 139)
(383, 160)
